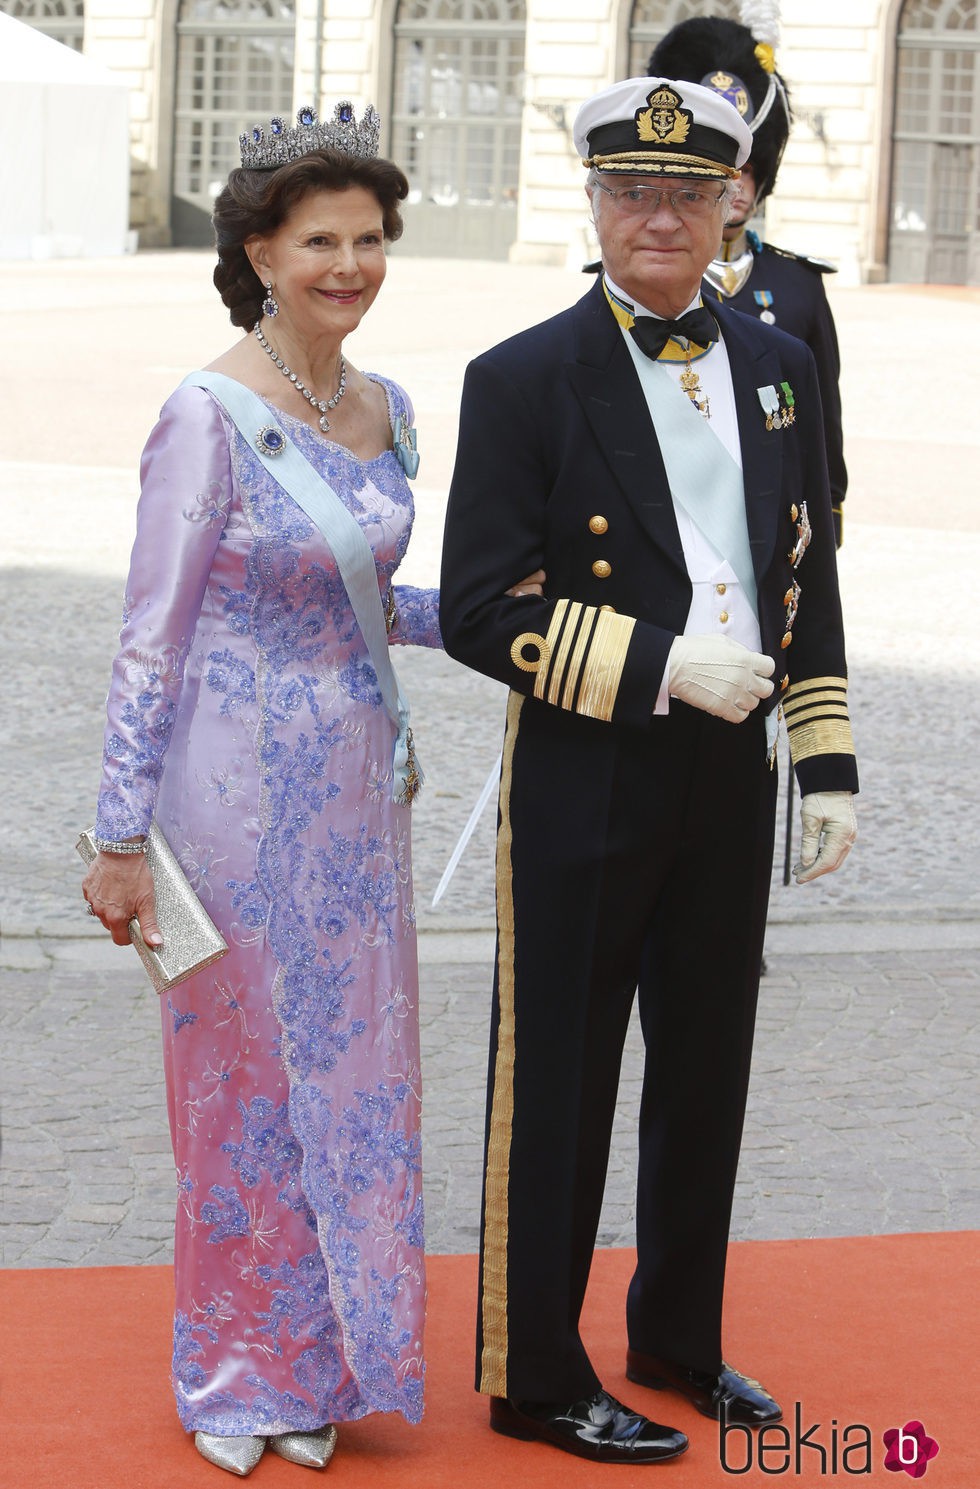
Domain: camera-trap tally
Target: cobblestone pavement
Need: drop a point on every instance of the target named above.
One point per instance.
(860, 1117)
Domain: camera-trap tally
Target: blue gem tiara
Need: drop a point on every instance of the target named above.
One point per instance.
(265, 149)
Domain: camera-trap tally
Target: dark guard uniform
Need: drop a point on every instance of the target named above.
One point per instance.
(782, 288)
(633, 851)
(786, 290)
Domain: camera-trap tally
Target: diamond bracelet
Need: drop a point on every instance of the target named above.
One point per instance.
(103, 846)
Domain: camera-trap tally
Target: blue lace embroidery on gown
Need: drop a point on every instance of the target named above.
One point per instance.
(293, 1064)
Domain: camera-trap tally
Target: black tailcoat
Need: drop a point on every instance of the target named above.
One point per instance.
(633, 852)
(555, 430)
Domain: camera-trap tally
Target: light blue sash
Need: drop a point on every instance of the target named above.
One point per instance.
(704, 480)
(703, 477)
(350, 548)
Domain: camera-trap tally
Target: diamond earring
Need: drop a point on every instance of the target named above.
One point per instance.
(270, 305)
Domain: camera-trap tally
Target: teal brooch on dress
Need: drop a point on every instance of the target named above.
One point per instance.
(406, 450)
(270, 440)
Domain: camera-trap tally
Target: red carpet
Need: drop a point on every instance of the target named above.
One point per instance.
(877, 1331)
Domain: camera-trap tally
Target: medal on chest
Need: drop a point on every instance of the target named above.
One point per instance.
(763, 298)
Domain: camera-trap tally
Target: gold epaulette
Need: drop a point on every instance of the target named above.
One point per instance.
(579, 664)
(816, 718)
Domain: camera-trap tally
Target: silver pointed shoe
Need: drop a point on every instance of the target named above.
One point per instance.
(236, 1454)
(309, 1449)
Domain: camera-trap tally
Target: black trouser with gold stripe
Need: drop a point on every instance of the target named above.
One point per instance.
(626, 859)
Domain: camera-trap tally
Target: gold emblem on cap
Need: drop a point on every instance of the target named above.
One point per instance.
(664, 122)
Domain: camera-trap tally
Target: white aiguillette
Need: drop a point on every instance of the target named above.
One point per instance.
(191, 940)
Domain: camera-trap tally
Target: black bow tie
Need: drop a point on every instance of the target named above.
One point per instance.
(651, 335)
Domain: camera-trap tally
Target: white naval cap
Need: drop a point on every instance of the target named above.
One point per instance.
(664, 128)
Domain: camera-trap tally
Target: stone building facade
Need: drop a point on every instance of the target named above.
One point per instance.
(882, 173)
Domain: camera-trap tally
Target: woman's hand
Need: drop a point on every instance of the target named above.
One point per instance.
(532, 585)
(119, 887)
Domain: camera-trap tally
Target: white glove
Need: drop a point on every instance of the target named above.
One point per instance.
(718, 675)
(829, 830)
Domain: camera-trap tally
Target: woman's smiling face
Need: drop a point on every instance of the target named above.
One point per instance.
(326, 261)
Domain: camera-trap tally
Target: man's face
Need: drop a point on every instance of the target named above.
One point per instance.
(658, 254)
(743, 203)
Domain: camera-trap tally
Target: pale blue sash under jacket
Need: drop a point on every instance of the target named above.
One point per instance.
(704, 479)
(343, 534)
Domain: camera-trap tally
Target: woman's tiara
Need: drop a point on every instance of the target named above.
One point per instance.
(263, 149)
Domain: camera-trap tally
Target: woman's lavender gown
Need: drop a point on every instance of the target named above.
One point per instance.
(244, 714)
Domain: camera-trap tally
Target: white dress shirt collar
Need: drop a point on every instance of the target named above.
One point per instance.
(639, 309)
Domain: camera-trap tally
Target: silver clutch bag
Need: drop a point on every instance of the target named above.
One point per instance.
(191, 940)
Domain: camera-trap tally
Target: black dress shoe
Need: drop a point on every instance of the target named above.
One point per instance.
(600, 1428)
(730, 1393)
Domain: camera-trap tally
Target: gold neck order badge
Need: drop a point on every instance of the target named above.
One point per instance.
(691, 384)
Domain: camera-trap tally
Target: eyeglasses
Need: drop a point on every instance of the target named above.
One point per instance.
(643, 201)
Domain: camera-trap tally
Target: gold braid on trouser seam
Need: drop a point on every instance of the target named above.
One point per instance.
(493, 1364)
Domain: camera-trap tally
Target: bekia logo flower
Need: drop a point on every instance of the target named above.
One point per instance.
(909, 1448)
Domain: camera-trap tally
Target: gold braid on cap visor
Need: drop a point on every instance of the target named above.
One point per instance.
(660, 164)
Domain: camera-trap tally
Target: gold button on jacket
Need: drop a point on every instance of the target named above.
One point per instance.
(601, 569)
(598, 525)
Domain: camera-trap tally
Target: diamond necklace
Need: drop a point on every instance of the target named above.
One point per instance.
(311, 398)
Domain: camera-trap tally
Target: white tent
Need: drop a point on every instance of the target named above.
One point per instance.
(64, 164)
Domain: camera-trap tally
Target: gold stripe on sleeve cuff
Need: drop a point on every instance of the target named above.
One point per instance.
(817, 721)
(604, 665)
(569, 613)
(578, 666)
(582, 645)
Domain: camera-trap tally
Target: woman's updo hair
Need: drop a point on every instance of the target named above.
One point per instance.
(257, 203)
